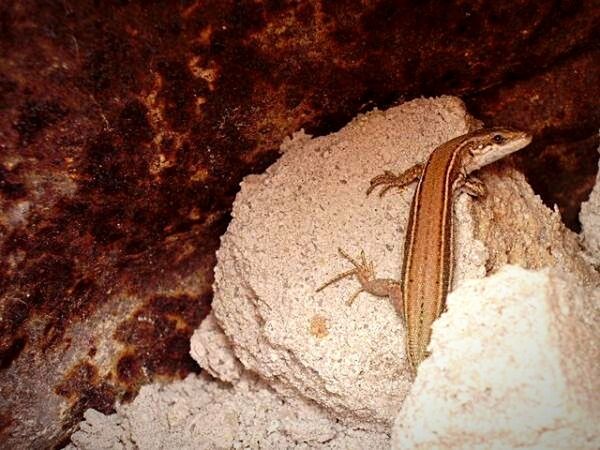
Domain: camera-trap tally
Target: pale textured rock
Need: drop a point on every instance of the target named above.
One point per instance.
(98, 431)
(201, 413)
(212, 350)
(283, 239)
(515, 364)
(590, 222)
(282, 244)
(519, 229)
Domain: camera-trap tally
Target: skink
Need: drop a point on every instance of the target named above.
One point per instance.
(427, 270)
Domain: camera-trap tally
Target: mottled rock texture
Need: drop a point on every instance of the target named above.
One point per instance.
(516, 331)
(125, 128)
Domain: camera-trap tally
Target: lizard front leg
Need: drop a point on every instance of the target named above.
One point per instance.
(473, 186)
(365, 273)
(389, 179)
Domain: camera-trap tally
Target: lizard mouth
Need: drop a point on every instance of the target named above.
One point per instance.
(510, 147)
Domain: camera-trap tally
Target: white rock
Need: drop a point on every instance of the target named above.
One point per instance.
(201, 413)
(212, 350)
(282, 244)
(515, 364)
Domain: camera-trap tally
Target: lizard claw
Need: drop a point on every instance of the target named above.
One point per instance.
(365, 273)
(360, 270)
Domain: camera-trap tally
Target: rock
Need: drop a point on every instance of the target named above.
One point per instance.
(515, 364)
(201, 413)
(212, 351)
(339, 372)
(282, 244)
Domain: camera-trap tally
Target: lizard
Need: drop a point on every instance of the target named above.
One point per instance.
(420, 295)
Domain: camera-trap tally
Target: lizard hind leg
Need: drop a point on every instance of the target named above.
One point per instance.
(365, 273)
(360, 269)
(389, 180)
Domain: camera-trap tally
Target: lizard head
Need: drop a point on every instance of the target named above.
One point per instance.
(491, 144)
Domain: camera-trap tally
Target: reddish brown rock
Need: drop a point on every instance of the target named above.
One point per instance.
(125, 129)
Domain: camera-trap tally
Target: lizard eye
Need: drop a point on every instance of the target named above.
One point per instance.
(498, 139)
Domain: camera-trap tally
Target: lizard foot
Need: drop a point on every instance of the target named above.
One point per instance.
(365, 273)
(389, 180)
(474, 187)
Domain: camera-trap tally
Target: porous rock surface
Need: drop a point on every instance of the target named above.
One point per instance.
(515, 364)
(282, 245)
(201, 413)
